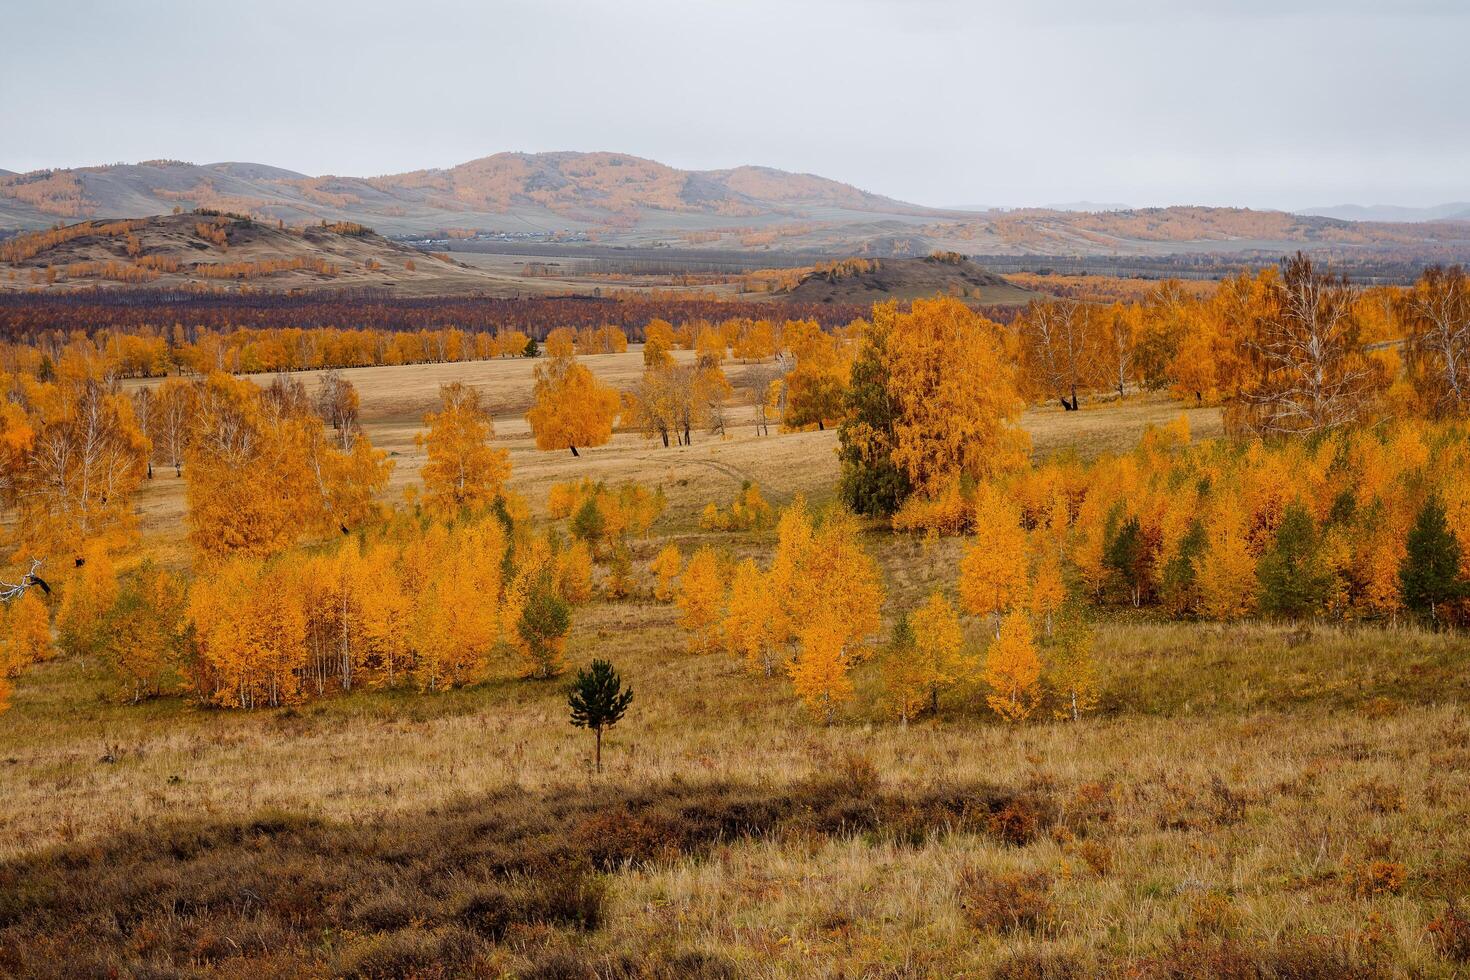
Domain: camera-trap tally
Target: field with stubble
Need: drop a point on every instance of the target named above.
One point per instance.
(1251, 800)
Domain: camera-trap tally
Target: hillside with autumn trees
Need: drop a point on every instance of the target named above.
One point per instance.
(1121, 633)
(211, 251)
(631, 201)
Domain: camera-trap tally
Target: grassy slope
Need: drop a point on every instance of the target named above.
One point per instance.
(1236, 780)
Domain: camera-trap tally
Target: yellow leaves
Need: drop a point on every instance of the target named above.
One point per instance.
(755, 341)
(385, 616)
(914, 676)
(947, 424)
(815, 386)
(830, 594)
(606, 339)
(1013, 670)
(25, 634)
(87, 595)
(700, 596)
(751, 618)
(629, 509)
(145, 632)
(747, 511)
(666, 566)
(560, 343)
(834, 573)
(1071, 673)
(71, 457)
(574, 573)
(463, 472)
(819, 674)
(572, 408)
(1048, 590)
(408, 602)
(457, 617)
(1226, 572)
(993, 571)
(943, 512)
(250, 631)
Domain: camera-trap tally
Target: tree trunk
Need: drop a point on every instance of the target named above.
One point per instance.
(599, 749)
(574, 450)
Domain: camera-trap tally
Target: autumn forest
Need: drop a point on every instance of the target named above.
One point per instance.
(1119, 632)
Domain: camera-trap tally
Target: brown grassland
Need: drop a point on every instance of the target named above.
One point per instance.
(1251, 800)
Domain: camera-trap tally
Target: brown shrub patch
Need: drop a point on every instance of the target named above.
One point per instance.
(429, 893)
(1006, 902)
(1374, 878)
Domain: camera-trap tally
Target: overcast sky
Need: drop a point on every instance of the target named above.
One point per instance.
(1262, 103)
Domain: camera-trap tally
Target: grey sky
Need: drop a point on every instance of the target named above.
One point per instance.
(1264, 104)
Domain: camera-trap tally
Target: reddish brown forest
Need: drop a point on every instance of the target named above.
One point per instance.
(25, 317)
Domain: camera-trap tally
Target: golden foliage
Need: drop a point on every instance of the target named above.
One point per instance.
(1013, 669)
(463, 471)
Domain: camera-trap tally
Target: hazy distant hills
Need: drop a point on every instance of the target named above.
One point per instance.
(623, 200)
(508, 192)
(1457, 211)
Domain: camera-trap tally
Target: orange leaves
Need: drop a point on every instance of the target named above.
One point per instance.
(606, 339)
(463, 471)
(819, 675)
(250, 631)
(993, 571)
(25, 633)
(1226, 572)
(1013, 670)
(74, 455)
(700, 596)
(572, 408)
(748, 511)
(752, 619)
(404, 603)
(666, 566)
(248, 492)
(947, 425)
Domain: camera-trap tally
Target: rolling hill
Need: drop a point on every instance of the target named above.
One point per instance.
(507, 192)
(192, 251)
(623, 200)
(1454, 211)
(861, 282)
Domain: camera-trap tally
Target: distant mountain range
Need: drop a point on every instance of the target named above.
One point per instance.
(506, 193)
(1458, 211)
(622, 200)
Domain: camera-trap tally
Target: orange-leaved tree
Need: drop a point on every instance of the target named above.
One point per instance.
(937, 655)
(571, 408)
(993, 570)
(666, 565)
(463, 472)
(750, 619)
(1013, 669)
(700, 596)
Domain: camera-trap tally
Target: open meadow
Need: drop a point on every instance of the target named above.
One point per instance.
(1250, 799)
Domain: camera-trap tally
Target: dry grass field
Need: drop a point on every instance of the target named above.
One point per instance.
(394, 400)
(1251, 800)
